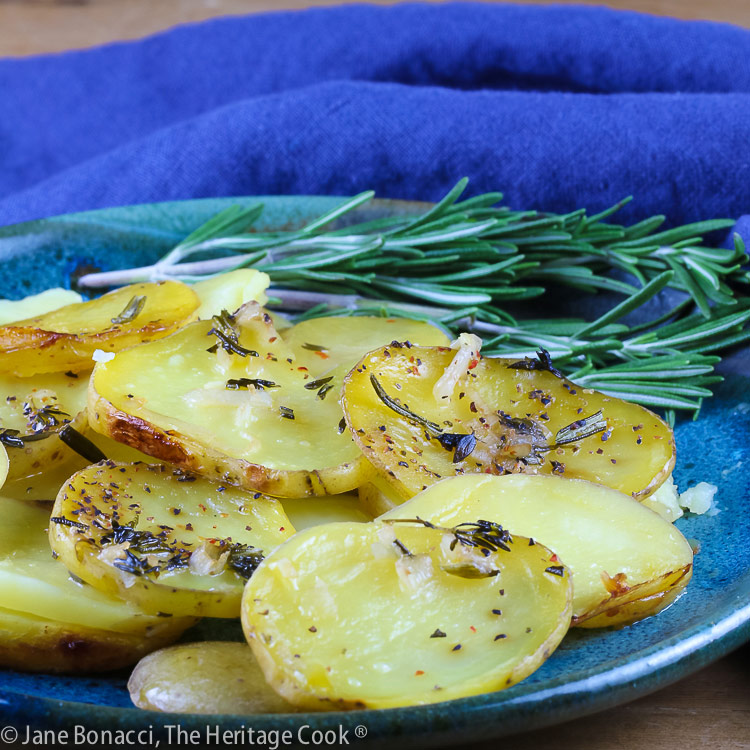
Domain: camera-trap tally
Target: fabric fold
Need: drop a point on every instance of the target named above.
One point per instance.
(557, 107)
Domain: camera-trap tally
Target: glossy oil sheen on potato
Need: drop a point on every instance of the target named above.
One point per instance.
(33, 584)
(66, 338)
(211, 677)
(627, 561)
(171, 399)
(634, 454)
(24, 400)
(37, 644)
(342, 617)
(180, 557)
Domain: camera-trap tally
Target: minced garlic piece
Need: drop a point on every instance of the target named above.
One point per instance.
(468, 346)
(208, 560)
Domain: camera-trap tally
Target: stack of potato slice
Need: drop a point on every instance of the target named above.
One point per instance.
(505, 502)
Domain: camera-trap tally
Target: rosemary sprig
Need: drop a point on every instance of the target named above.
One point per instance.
(459, 262)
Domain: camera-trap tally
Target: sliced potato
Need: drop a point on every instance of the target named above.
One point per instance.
(513, 420)
(261, 422)
(212, 677)
(12, 310)
(37, 644)
(3, 465)
(305, 512)
(229, 291)
(33, 583)
(66, 338)
(627, 561)
(321, 344)
(375, 615)
(167, 541)
(38, 406)
(46, 483)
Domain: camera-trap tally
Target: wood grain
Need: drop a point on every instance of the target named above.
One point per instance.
(710, 709)
(29, 27)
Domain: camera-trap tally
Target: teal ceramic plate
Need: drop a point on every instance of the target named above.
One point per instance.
(592, 670)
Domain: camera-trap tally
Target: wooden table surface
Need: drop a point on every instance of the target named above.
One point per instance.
(710, 709)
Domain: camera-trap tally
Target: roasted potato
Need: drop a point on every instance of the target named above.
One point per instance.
(321, 344)
(3, 465)
(167, 541)
(229, 399)
(212, 677)
(46, 483)
(305, 512)
(627, 561)
(32, 410)
(229, 291)
(420, 414)
(66, 339)
(51, 619)
(377, 615)
(36, 644)
(12, 310)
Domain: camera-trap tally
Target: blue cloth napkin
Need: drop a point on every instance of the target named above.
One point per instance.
(558, 107)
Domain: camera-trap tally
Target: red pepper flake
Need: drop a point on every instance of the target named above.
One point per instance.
(323, 355)
(272, 339)
(281, 528)
(472, 628)
(554, 558)
(473, 363)
(419, 672)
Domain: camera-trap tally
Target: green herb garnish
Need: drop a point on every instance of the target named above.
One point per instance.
(80, 444)
(132, 310)
(460, 262)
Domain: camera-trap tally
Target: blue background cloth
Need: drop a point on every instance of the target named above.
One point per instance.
(558, 107)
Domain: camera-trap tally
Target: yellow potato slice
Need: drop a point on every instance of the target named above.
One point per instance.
(168, 541)
(229, 291)
(3, 465)
(376, 615)
(212, 677)
(38, 406)
(45, 484)
(66, 339)
(36, 644)
(305, 512)
(512, 419)
(321, 344)
(33, 583)
(627, 561)
(259, 420)
(36, 304)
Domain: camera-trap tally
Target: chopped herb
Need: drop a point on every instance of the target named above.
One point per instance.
(14, 438)
(556, 570)
(580, 429)
(342, 425)
(67, 522)
(80, 444)
(315, 384)
(228, 336)
(132, 310)
(244, 559)
(461, 444)
(543, 361)
(237, 384)
(314, 348)
(286, 412)
(44, 419)
(438, 634)
(323, 392)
